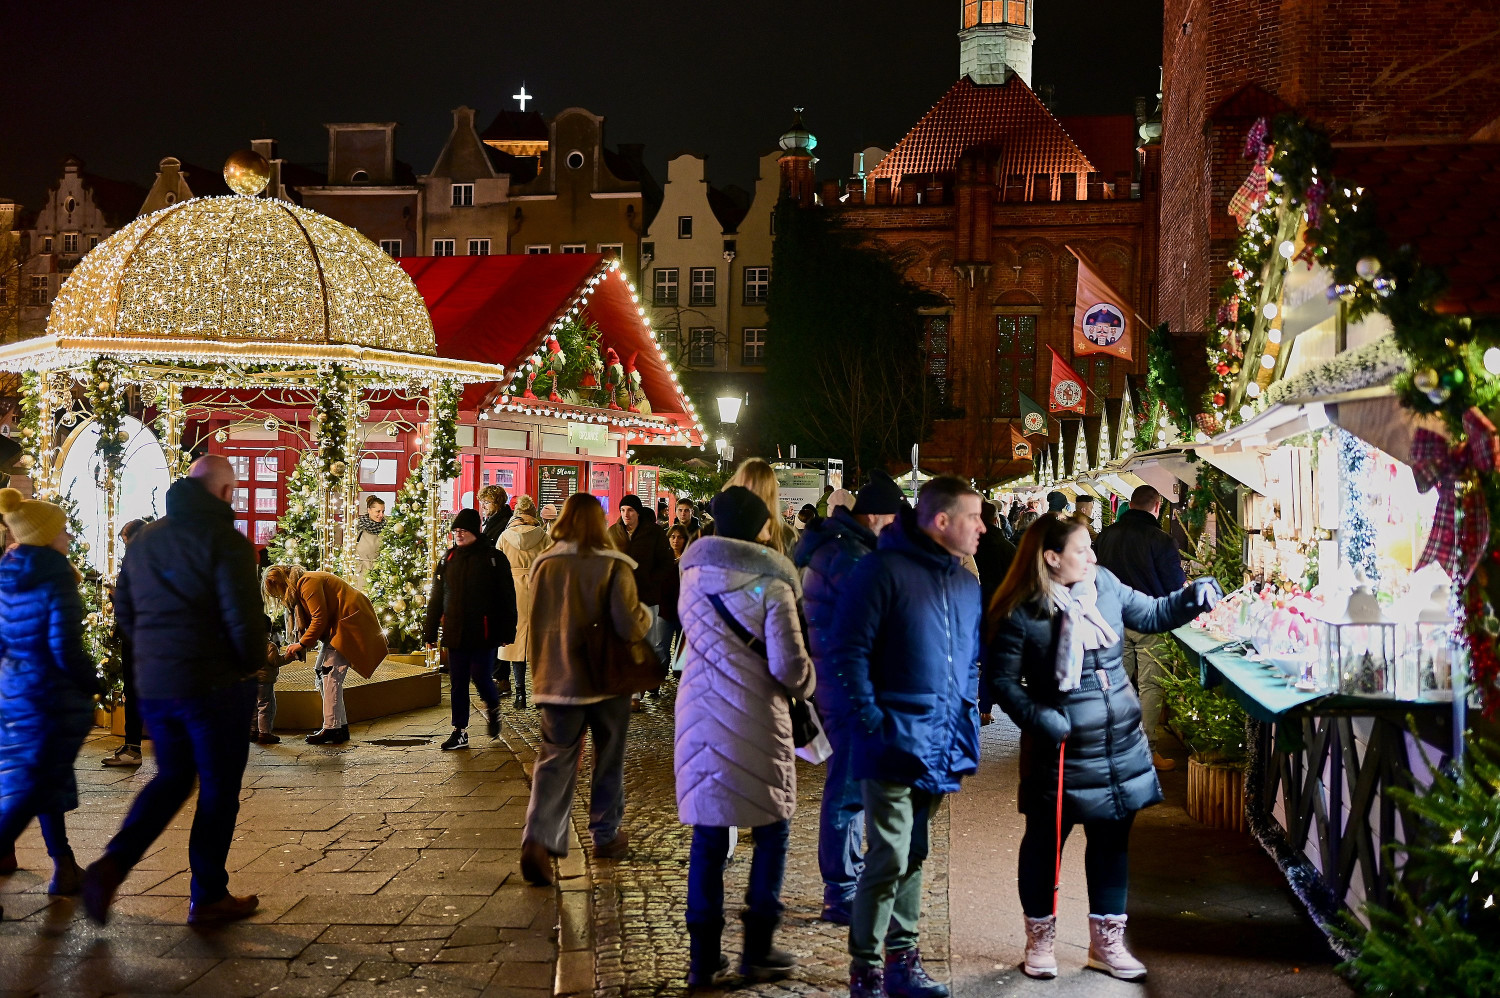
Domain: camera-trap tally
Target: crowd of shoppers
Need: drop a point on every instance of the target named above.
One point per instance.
(898, 624)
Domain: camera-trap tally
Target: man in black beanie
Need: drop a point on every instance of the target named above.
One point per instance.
(1057, 502)
(829, 550)
(640, 537)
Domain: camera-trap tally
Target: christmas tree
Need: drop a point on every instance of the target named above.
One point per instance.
(401, 578)
(1441, 934)
(296, 538)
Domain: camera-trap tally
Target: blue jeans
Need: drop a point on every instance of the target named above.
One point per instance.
(841, 854)
(192, 743)
(709, 853)
(478, 665)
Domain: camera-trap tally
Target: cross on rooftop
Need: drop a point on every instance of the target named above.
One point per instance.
(522, 97)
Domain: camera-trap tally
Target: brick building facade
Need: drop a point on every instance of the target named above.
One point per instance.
(979, 204)
(1368, 71)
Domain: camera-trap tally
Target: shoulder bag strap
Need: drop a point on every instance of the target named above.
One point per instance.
(743, 633)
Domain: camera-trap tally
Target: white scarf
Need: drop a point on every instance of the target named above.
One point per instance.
(1083, 628)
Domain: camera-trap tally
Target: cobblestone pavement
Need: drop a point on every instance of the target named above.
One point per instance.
(639, 936)
(385, 867)
(1210, 913)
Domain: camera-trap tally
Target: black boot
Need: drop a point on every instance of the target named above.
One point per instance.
(759, 960)
(520, 685)
(707, 964)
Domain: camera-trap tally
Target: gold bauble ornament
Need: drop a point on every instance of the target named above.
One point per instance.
(221, 436)
(398, 605)
(1425, 380)
(123, 436)
(337, 467)
(247, 172)
(25, 461)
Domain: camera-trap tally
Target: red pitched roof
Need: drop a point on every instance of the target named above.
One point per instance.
(1443, 200)
(1007, 117)
(499, 309)
(1108, 140)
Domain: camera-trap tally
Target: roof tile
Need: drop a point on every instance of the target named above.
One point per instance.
(1007, 117)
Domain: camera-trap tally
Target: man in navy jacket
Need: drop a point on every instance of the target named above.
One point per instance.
(907, 667)
(1145, 558)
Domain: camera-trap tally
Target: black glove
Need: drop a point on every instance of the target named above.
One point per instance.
(1206, 592)
(1053, 724)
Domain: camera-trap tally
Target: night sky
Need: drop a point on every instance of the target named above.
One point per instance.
(122, 85)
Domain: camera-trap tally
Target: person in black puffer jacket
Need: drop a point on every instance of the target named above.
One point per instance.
(827, 554)
(1054, 653)
(474, 600)
(47, 684)
(189, 607)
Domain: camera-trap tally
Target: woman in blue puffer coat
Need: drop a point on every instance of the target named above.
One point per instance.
(1055, 653)
(47, 684)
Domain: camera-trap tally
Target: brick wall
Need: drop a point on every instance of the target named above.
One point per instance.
(1366, 70)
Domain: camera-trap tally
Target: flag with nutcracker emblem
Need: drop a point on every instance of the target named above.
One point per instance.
(1067, 393)
(1102, 321)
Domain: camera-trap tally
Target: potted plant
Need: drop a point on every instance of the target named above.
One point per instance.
(1212, 726)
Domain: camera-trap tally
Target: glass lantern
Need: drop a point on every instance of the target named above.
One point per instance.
(1424, 670)
(1358, 648)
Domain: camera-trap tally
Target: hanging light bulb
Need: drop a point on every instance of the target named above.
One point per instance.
(1492, 360)
(1287, 249)
(1274, 335)
(1270, 311)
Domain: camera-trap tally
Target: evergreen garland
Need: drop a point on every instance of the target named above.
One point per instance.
(1439, 936)
(106, 397)
(1164, 396)
(400, 580)
(296, 539)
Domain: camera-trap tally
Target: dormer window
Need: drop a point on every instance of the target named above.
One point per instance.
(463, 195)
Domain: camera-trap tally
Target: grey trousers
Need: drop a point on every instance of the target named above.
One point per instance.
(556, 772)
(1143, 655)
(330, 671)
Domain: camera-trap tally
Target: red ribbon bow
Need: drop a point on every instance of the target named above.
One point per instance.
(1460, 533)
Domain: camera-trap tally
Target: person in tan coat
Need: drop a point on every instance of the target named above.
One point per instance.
(329, 610)
(580, 582)
(522, 541)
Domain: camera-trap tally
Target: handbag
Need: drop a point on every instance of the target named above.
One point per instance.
(807, 728)
(619, 666)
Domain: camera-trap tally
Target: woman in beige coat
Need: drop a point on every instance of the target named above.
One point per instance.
(579, 584)
(329, 610)
(523, 539)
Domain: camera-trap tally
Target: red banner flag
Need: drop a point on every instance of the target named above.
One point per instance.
(1067, 393)
(1102, 321)
(1020, 447)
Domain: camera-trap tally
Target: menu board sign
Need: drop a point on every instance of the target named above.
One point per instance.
(556, 482)
(645, 483)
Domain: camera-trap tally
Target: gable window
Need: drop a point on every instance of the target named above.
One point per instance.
(463, 195)
(757, 285)
(47, 244)
(70, 242)
(444, 247)
(479, 247)
(704, 285)
(391, 247)
(539, 250)
(93, 241)
(39, 290)
(1015, 356)
(753, 353)
(701, 346)
(684, 226)
(937, 352)
(665, 289)
(574, 248)
(612, 251)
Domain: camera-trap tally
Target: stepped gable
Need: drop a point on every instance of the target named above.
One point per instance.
(1007, 117)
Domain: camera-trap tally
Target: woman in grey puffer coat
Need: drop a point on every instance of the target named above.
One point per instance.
(735, 761)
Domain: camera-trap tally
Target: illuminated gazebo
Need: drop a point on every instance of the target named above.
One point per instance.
(225, 303)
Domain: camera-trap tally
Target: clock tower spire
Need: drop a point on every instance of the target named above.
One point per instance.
(995, 39)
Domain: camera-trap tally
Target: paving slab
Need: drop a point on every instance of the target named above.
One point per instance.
(369, 860)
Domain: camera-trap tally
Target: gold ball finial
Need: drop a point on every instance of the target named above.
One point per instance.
(247, 172)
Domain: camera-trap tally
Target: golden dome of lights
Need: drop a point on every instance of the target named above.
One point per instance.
(247, 172)
(241, 271)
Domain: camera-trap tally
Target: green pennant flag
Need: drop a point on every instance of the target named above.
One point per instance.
(1033, 417)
